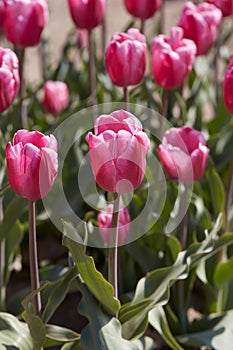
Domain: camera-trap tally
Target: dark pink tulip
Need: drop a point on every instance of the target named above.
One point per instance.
(183, 154)
(55, 96)
(226, 6)
(2, 13)
(126, 58)
(228, 86)
(24, 21)
(117, 151)
(142, 9)
(87, 14)
(201, 24)
(172, 58)
(105, 224)
(9, 78)
(31, 163)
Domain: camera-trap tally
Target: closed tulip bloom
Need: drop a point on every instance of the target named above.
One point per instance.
(55, 96)
(105, 224)
(9, 78)
(201, 24)
(87, 14)
(183, 154)
(142, 9)
(24, 21)
(126, 58)
(228, 87)
(117, 151)
(31, 163)
(172, 58)
(226, 6)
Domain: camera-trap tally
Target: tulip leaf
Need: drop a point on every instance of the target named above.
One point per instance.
(56, 335)
(223, 272)
(153, 289)
(14, 334)
(217, 192)
(96, 283)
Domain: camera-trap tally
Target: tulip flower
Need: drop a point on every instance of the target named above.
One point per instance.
(55, 97)
(126, 58)
(228, 87)
(31, 163)
(105, 224)
(2, 13)
(9, 78)
(87, 14)
(201, 24)
(142, 9)
(24, 21)
(117, 151)
(183, 154)
(226, 6)
(172, 58)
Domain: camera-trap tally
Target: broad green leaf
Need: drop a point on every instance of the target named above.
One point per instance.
(217, 191)
(223, 272)
(72, 346)
(96, 283)
(157, 319)
(56, 335)
(14, 333)
(217, 337)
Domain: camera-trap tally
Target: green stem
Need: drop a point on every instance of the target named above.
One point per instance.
(229, 193)
(2, 264)
(22, 92)
(164, 109)
(92, 78)
(113, 249)
(33, 258)
(126, 96)
(142, 29)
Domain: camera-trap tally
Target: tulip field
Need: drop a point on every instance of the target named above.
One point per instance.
(116, 177)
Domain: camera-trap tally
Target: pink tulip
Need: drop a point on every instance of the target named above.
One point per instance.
(126, 58)
(226, 6)
(172, 58)
(183, 154)
(9, 78)
(2, 13)
(87, 14)
(142, 9)
(24, 21)
(117, 151)
(105, 224)
(56, 96)
(201, 24)
(31, 163)
(228, 87)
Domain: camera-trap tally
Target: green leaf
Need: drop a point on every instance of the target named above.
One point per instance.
(56, 335)
(158, 320)
(223, 272)
(96, 283)
(217, 192)
(14, 333)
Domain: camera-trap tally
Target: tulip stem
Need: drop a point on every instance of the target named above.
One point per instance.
(113, 249)
(126, 96)
(229, 193)
(142, 29)
(33, 258)
(92, 78)
(2, 264)
(22, 92)
(103, 32)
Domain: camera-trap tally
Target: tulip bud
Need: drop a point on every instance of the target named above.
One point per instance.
(105, 224)
(2, 13)
(9, 78)
(126, 58)
(117, 151)
(226, 6)
(183, 154)
(24, 21)
(201, 24)
(142, 9)
(87, 14)
(228, 87)
(56, 96)
(31, 163)
(172, 58)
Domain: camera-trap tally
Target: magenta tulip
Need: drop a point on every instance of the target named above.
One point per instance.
(228, 87)
(55, 96)
(172, 58)
(105, 224)
(2, 13)
(31, 163)
(201, 24)
(117, 151)
(9, 78)
(183, 154)
(142, 9)
(87, 14)
(126, 58)
(226, 6)
(24, 21)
